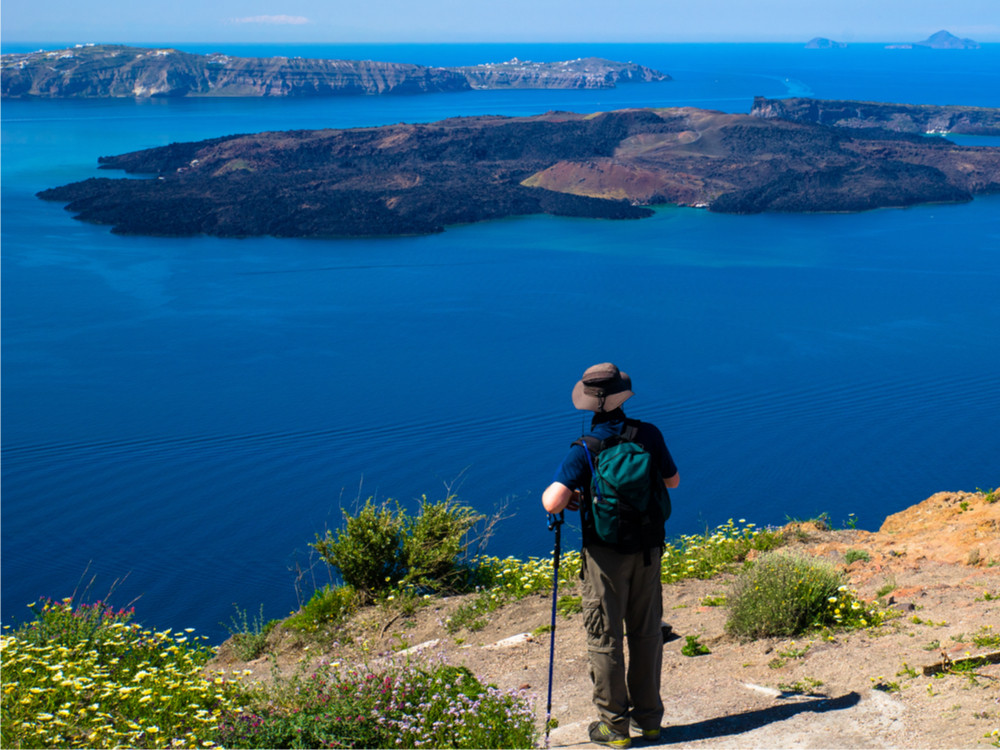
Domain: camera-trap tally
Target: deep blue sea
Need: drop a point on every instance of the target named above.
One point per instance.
(185, 415)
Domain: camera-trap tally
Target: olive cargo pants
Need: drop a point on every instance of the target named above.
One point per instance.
(619, 589)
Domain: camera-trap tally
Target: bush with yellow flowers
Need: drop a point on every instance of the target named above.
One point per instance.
(86, 676)
(706, 555)
(844, 609)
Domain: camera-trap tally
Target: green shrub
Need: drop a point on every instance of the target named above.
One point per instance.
(328, 607)
(692, 647)
(471, 615)
(249, 639)
(368, 549)
(781, 595)
(381, 549)
(852, 555)
(569, 605)
(435, 543)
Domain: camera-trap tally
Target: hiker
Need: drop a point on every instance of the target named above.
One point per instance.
(621, 581)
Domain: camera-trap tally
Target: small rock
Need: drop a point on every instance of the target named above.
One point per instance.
(762, 689)
(514, 640)
(420, 647)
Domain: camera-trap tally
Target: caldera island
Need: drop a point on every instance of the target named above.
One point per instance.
(420, 178)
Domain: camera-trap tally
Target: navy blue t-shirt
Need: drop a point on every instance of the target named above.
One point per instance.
(574, 471)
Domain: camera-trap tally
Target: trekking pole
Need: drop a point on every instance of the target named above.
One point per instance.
(555, 522)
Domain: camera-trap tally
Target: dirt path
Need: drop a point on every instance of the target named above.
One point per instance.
(943, 564)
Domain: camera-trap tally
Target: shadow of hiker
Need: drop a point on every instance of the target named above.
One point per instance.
(750, 720)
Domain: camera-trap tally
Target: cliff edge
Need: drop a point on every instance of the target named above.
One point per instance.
(936, 566)
(118, 71)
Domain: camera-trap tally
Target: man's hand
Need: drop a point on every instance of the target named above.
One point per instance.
(574, 501)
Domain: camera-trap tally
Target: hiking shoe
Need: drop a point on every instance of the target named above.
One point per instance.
(649, 735)
(603, 734)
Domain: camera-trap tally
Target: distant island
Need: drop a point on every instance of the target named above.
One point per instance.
(117, 71)
(928, 119)
(820, 42)
(940, 40)
(420, 178)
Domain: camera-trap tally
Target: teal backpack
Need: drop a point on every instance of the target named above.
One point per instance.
(627, 503)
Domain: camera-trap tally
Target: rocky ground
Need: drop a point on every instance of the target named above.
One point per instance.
(935, 565)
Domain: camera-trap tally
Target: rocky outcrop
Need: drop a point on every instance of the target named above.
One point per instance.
(408, 179)
(954, 527)
(109, 71)
(900, 118)
(957, 528)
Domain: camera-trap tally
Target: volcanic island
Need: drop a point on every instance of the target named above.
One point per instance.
(800, 155)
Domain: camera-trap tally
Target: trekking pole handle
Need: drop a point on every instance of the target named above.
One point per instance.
(555, 519)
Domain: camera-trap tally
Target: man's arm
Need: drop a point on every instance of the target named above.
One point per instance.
(665, 462)
(558, 497)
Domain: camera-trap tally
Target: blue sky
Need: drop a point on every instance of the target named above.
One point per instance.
(156, 21)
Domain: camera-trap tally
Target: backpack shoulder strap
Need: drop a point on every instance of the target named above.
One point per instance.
(591, 446)
(631, 430)
(591, 443)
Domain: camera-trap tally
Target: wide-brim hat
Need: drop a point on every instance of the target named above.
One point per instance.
(602, 388)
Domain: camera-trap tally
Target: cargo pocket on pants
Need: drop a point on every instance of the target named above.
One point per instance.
(593, 623)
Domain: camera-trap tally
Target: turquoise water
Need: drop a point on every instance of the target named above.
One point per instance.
(189, 413)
